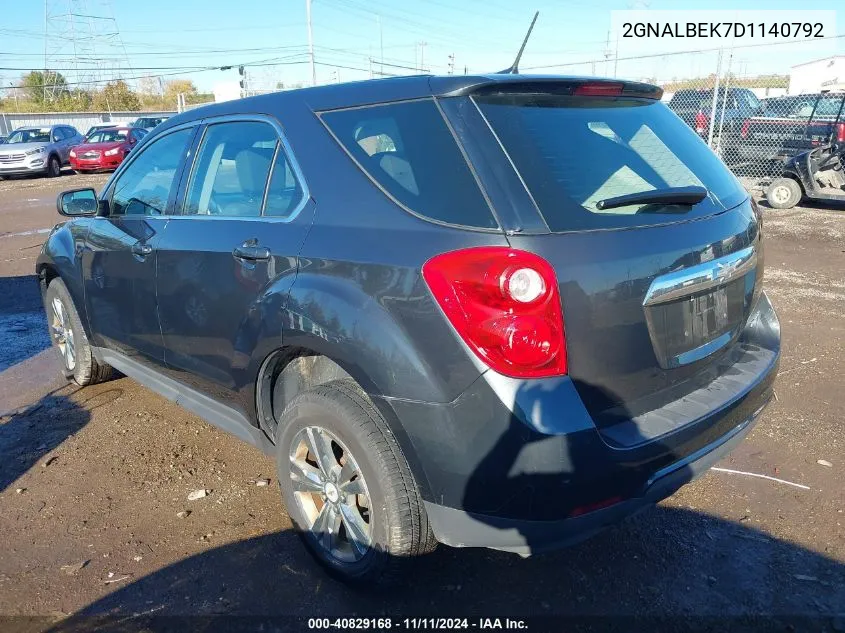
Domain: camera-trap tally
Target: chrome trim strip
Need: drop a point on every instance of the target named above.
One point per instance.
(701, 277)
(701, 351)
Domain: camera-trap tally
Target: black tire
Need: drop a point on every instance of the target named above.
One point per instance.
(54, 167)
(84, 368)
(399, 528)
(783, 193)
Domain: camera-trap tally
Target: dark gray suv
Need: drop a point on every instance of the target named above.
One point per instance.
(500, 311)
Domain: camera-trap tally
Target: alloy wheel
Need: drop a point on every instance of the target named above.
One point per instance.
(331, 493)
(63, 334)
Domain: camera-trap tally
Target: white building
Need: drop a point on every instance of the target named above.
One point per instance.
(226, 91)
(817, 75)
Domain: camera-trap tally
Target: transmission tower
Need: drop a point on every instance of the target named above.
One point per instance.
(83, 43)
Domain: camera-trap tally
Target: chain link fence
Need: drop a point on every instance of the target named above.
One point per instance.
(753, 118)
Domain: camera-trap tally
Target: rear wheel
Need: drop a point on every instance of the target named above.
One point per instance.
(69, 338)
(54, 167)
(347, 486)
(783, 193)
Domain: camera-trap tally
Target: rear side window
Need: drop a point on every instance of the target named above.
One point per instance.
(574, 151)
(409, 151)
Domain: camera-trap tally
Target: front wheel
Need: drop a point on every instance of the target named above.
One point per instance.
(783, 193)
(347, 486)
(54, 168)
(69, 338)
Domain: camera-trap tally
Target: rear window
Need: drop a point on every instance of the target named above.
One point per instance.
(573, 152)
(409, 151)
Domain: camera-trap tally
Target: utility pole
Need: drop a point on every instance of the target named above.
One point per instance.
(380, 44)
(714, 101)
(310, 43)
(44, 78)
(422, 55)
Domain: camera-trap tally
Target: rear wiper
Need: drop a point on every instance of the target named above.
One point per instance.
(672, 195)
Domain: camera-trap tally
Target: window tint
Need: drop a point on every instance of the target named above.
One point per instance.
(573, 152)
(58, 134)
(408, 150)
(231, 169)
(285, 191)
(144, 188)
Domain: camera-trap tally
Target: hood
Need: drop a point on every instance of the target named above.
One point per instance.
(16, 148)
(98, 146)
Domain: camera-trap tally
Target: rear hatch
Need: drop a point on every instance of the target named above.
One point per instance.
(654, 294)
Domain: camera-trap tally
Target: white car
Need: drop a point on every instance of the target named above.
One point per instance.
(38, 150)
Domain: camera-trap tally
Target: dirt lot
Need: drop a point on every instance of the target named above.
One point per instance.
(94, 481)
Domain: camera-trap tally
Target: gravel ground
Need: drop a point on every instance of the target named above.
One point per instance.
(94, 516)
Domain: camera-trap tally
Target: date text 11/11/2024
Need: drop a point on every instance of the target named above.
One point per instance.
(721, 30)
(417, 624)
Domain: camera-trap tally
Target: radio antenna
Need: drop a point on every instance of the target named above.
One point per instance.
(514, 68)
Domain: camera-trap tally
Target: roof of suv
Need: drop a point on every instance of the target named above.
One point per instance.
(371, 91)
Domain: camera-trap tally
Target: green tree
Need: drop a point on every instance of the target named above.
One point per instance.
(44, 86)
(177, 86)
(116, 95)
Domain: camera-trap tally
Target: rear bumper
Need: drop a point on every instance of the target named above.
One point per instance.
(521, 466)
(463, 529)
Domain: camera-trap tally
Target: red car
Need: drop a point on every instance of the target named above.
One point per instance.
(105, 149)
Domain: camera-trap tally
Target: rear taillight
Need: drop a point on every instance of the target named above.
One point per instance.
(745, 125)
(840, 132)
(505, 305)
(700, 123)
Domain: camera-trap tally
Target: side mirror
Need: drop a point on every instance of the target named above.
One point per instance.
(77, 203)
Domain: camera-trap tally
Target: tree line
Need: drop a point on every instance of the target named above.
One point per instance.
(49, 91)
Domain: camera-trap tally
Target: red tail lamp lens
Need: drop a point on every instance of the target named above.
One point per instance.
(505, 305)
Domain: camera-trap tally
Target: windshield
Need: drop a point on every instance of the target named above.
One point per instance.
(147, 122)
(573, 152)
(107, 136)
(30, 136)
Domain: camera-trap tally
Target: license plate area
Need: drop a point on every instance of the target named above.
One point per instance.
(694, 312)
(689, 329)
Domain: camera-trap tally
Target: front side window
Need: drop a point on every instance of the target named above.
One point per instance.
(145, 186)
(409, 151)
(231, 169)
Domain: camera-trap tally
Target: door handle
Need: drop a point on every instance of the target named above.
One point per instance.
(251, 253)
(141, 249)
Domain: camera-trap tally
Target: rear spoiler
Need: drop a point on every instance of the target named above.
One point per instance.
(520, 84)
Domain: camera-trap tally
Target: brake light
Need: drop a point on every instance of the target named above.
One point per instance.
(840, 132)
(745, 125)
(505, 305)
(599, 89)
(700, 122)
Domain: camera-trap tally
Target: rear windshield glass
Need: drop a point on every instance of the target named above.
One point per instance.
(573, 152)
(408, 150)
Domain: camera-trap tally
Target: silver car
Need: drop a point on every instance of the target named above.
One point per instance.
(38, 150)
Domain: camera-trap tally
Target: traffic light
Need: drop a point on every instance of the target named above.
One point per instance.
(241, 73)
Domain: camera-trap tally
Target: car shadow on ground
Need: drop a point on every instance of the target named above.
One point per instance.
(23, 326)
(665, 562)
(29, 434)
